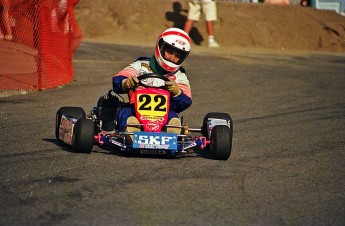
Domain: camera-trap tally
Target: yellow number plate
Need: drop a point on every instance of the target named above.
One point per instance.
(152, 104)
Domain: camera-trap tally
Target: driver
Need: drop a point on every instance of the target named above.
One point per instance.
(172, 48)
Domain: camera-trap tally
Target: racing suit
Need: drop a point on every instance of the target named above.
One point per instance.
(142, 66)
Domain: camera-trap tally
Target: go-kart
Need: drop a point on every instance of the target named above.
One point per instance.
(152, 105)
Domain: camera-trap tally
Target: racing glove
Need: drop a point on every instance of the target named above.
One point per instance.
(130, 83)
(173, 88)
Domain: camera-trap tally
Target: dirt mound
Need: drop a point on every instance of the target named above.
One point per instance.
(139, 22)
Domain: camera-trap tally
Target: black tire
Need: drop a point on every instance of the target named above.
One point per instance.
(83, 133)
(75, 112)
(218, 115)
(221, 142)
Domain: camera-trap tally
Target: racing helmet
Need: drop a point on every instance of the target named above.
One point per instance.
(176, 39)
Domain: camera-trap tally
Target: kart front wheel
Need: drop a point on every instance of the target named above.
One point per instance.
(220, 145)
(83, 133)
(205, 130)
(75, 112)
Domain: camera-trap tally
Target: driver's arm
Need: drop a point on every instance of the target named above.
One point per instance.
(130, 83)
(173, 88)
(183, 100)
(180, 103)
(121, 84)
(117, 84)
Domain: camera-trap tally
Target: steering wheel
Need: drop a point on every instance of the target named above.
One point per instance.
(151, 75)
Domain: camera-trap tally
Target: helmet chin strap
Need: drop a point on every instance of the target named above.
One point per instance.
(157, 69)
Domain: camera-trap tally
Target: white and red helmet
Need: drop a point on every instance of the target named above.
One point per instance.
(178, 40)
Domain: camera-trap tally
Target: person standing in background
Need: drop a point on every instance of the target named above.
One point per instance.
(6, 21)
(209, 9)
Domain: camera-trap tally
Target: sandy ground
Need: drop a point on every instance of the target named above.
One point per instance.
(239, 25)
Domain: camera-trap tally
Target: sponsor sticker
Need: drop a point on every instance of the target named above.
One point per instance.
(66, 130)
(147, 140)
(153, 152)
(182, 43)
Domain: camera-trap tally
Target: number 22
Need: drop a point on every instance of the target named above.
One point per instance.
(160, 100)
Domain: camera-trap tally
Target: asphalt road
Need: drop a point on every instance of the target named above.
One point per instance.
(287, 165)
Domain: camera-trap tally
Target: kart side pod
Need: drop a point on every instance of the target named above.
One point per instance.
(218, 129)
(73, 128)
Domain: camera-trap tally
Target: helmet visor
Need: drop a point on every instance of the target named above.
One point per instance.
(172, 50)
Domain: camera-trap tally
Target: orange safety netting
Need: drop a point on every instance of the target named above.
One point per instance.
(37, 41)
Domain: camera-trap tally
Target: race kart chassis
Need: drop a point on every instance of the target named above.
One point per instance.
(81, 132)
(152, 106)
(184, 143)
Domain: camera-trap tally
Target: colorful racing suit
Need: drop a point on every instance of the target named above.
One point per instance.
(141, 66)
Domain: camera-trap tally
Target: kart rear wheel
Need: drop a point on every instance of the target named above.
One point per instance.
(75, 112)
(220, 145)
(83, 133)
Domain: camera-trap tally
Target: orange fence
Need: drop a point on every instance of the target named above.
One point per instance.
(37, 41)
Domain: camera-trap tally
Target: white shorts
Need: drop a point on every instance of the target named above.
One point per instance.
(207, 7)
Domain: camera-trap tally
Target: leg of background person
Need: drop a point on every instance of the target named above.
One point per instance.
(209, 27)
(194, 11)
(188, 26)
(211, 42)
(210, 13)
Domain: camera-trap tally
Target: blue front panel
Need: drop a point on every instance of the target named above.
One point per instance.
(147, 140)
